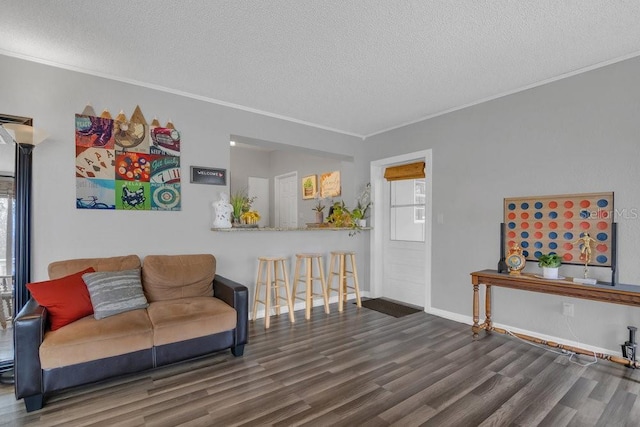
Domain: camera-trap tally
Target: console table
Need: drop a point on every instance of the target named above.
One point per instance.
(619, 294)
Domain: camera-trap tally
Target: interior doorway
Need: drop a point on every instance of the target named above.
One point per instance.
(401, 266)
(286, 201)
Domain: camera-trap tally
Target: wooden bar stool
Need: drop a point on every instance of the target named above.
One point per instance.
(308, 279)
(272, 280)
(342, 259)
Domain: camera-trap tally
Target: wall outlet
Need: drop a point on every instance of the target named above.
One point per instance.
(567, 309)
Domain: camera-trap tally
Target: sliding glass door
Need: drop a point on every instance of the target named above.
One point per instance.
(7, 207)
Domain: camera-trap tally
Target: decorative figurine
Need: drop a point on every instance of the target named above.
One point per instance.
(223, 210)
(586, 242)
(515, 260)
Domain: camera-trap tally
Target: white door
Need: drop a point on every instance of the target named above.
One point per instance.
(401, 235)
(403, 247)
(286, 195)
(259, 188)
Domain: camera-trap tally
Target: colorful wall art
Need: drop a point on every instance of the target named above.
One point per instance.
(126, 164)
(555, 224)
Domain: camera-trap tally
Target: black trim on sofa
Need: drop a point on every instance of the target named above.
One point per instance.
(237, 296)
(189, 349)
(33, 384)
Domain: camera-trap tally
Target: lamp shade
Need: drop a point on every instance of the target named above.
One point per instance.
(24, 134)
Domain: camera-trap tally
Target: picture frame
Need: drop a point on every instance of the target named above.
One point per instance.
(555, 223)
(330, 184)
(209, 176)
(309, 185)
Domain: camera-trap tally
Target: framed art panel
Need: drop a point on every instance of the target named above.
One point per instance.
(556, 224)
(330, 184)
(309, 187)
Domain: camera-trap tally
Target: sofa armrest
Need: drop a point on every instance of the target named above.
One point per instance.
(29, 327)
(237, 296)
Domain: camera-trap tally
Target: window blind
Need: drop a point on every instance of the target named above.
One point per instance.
(407, 171)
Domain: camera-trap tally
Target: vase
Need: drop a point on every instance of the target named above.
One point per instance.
(319, 217)
(550, 272)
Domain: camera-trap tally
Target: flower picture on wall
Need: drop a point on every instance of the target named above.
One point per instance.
(309, 187)
(126, 164)
(330, 184)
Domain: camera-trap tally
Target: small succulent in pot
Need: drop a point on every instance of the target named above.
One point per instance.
(551, 260)
(550, 263)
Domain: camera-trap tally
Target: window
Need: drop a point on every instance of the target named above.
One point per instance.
(419, 198)
(408, 209)
(7, 207)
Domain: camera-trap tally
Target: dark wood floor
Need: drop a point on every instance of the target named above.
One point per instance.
(359, 367)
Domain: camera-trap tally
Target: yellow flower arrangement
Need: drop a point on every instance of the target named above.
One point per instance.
(251, 217)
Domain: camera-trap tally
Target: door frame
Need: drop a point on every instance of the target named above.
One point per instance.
(377, 168)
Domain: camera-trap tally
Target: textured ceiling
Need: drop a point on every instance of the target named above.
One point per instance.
(358, 67)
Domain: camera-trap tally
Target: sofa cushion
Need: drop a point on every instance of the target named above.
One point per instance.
(90, 339)
(114, 292)
(64, 268)
(66, 298)
(167, 277)
(187, 318)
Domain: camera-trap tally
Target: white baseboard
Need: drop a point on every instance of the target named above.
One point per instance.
(469, 321)
(317, 302)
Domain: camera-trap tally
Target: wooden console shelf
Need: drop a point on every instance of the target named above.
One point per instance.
(619, 294)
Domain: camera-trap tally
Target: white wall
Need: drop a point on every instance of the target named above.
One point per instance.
(52, 96)
(577, 135)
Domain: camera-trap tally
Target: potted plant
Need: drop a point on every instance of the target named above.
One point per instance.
(362, 206)
(241, 203)
(342, 217)
(319, 207)
(550, 264)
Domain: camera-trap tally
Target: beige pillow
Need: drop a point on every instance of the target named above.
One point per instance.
(168, 277)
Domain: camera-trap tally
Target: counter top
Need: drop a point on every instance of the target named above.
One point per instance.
(235, 229)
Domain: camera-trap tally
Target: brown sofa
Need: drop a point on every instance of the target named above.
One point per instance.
(192, 312)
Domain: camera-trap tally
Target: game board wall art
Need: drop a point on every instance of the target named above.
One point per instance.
(554, 224)
(126, 164)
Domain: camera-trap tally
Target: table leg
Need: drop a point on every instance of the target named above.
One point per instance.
(487, 309)
(476, 309)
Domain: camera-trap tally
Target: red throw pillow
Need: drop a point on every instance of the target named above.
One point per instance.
(66, 299)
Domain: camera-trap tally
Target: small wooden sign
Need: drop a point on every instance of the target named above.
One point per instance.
(202, 175)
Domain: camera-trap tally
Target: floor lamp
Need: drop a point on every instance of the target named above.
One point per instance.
(26, 138)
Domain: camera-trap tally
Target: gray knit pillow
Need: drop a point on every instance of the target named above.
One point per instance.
(114, 292)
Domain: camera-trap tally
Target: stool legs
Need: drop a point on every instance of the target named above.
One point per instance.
(343, 274)
(308, 280)
(272, 282)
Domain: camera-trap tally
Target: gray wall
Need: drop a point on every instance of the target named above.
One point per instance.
(246, 162)
(52, 96)
(577, 135)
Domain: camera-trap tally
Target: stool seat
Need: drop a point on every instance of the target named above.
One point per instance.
(272, 275)
(343, 267)
(304, 273)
